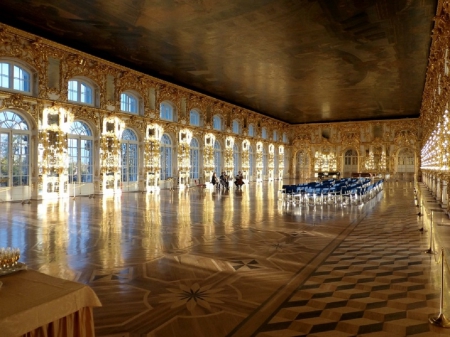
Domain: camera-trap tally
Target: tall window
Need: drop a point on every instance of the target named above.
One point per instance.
(166, 157)
(251, 130)
(285, 140)
(350, 162)
(15, 77)
(14, 150)
(80, 143)
(194, 158)
(194, 118)
(217, 158)
(129, 103)
(406, 161)
(275, 165)
(236, 159)
(264, 158)
(286, 162)
(275, 135)
(264, 133)
(80, 91)
(302, 165)
(251, 161)
(217, 123)
(129, 156)
(236, 128)
(166, 111)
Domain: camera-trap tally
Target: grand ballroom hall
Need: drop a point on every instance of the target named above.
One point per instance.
(324, 123)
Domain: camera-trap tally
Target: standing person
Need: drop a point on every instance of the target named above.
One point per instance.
(224, 180)
(214, 179)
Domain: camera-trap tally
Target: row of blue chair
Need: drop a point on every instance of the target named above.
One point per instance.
(343, 191)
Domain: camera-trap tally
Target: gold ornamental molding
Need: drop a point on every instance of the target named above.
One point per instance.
(35, 51)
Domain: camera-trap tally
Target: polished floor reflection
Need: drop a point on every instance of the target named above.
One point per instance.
(239, 263)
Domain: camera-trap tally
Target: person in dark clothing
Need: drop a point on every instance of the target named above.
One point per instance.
(224, 180)
(239, 181)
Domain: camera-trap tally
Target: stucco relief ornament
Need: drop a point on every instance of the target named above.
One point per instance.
(53, 94)
(446, 8)
(110, 105)
(15, 101)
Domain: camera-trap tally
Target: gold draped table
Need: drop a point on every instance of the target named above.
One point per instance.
(33, 304)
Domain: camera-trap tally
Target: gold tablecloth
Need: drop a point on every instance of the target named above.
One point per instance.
(34, 304)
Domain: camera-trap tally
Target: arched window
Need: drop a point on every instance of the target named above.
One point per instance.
(14, 77)
(80, 149)
(166, 112)
(194, 158)
(251, 130)
(236, 158)
(251, 161)
(166, 157)
(236, 127)
(129, 156)
(129, 103)
(217, 123)
(302, 165)
(217, 158)
(286, 162)
(406, 161)
(275, 164)
(194, 118)
(264, 133)
(350, 162)
(264, 159)
(14, 150)
(81, 92)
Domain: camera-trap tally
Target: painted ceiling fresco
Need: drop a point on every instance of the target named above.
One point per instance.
(299, 61)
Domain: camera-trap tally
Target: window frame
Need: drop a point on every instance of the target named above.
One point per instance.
(218, 156)
(80, 83)
(263, 132)
(129, 95)
(251, 130)
(11, 77)
(236, 127)
(129, 152)
(236, 158)
(166, 152)
(84, 154)
(217, 123)
(170, 118)
(17, 162)
(197, 116)
(194, 158)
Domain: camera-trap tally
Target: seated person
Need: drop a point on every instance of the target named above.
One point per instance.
(239, 181)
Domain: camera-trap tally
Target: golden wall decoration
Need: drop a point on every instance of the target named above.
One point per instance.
(37, 52)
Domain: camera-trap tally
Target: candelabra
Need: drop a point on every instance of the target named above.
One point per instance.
(370, 162)
(151, 155)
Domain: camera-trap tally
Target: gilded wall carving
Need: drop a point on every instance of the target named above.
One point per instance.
(327, 143)
(433, 136)
(328, 139)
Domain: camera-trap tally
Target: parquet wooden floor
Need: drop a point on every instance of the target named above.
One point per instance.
(240, 263)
